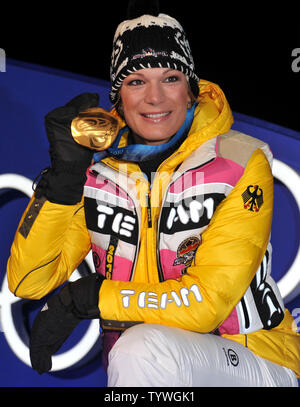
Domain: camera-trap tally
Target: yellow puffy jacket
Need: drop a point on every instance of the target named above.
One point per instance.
(193, 252)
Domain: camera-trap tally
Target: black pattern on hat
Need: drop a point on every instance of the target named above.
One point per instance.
(150, 42)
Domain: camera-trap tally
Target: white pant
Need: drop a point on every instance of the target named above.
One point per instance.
(149, 355)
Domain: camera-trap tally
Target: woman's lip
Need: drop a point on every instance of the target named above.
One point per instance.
(156, 116)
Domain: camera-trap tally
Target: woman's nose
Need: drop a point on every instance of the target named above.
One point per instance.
(154, 93)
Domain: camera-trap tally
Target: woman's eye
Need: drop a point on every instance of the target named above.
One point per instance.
(172, 78)
(135, 82)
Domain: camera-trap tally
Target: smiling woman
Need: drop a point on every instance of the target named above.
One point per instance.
(183, 284)
(154, 102)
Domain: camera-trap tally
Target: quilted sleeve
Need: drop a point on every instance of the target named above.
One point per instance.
(50, 242)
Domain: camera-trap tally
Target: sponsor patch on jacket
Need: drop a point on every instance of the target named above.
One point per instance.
(253, 198)
(186, 251)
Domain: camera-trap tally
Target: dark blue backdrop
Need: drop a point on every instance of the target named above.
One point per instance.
(27, 93)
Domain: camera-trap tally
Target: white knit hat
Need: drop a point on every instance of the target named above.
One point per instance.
(150, 41)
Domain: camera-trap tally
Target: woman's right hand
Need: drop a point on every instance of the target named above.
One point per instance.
(58, 128)
(63, 182)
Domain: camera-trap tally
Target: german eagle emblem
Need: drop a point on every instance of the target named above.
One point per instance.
(253, 198)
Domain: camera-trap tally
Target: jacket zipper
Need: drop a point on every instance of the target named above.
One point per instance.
(148, 196)
(159, 267)
(149, 209)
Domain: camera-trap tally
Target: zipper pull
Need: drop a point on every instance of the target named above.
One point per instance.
(149, 216)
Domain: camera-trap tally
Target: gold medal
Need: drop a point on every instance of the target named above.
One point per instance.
(95, 128)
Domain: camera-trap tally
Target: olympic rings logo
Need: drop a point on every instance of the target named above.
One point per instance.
(7, 300)
(287, 284)
(291, 179)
